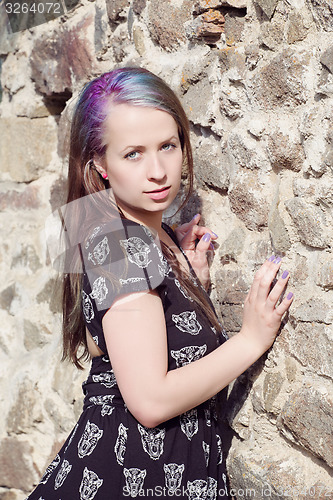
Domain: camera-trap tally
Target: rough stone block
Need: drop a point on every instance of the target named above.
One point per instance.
(247, 153)
(196, 102)
(267, 6)
(19, 199)
(322, 11)
(285, 154)
(324, 276)
(310, 222)
(26, 410)
(232, 317)
(26, 148)
(233, 246)
(53, 74)
(232, 286)
(271, 389)
(278, 232)
(311, 344)
(166, 23)
(282, 81)
(139, 6)
(210, 165)
(16, 465)
(207, 27)
(233, 27)
(117, 10)
(308, 416)
(297, 28)
(273, 472)
(314, 309)
(249, 203)
(272, 35)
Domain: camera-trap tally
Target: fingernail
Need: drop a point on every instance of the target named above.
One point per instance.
(271, 258)
(215, 234)
(196, 215)
(284, 275)
(206, 237)
(211, 246)
(277, 260)
(290, 295)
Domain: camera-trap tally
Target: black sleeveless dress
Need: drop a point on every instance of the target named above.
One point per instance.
(109, 455)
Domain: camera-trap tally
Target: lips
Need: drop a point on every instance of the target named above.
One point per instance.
(159, 190)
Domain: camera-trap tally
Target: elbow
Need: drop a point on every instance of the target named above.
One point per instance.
(148, 415)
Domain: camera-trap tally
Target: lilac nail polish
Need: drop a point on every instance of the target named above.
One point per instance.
(196, 215)
(277, 260)
(206, 237)
(290, 295)
(284, 275)
(215, 234)
(271, 258)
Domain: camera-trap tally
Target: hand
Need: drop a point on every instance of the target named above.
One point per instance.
(187, 235)
(262, 311)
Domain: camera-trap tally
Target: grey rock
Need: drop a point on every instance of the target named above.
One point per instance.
(310, 223)
(313, 310)
(285, 154)
(250, 205)
(7, 296)
(16, 464)
(327, 59)
(195, 102)
(282, 81)
(210, 166)
(117, 10)
(166, 23)
(308, 416)
(297, 29)
(311, 344)
(267, 6)
(324, 276)
(53, 74)
(322, 11)
(278, 232)
(272, 387)
(233, 246)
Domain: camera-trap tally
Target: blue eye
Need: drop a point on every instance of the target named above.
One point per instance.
(133, 155)
(168, 146)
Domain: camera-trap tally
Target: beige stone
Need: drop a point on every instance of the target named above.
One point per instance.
(26, 148)
(308, 415)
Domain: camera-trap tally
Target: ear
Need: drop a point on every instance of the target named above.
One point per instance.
(100, 167)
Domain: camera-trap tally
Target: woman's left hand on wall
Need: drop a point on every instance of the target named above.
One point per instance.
(196, 251)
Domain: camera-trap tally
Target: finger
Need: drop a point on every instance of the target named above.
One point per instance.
(182, 230)
(203, 247)
(266, 280)
(285, 304)
(278, 289)
(259, 276)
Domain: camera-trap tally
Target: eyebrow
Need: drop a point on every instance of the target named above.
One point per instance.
(139, 146)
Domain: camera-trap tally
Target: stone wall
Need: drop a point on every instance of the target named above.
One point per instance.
(256, 79)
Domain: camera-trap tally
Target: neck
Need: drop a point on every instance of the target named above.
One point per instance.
(153, 220)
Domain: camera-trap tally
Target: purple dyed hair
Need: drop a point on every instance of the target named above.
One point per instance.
(135, 86)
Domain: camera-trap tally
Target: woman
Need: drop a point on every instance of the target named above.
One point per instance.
(159, 354)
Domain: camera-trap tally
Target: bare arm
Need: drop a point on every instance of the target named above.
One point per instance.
(137, 344)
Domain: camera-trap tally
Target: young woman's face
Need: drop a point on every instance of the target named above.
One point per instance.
(143, 158)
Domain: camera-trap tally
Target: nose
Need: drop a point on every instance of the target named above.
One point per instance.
(155, 168)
